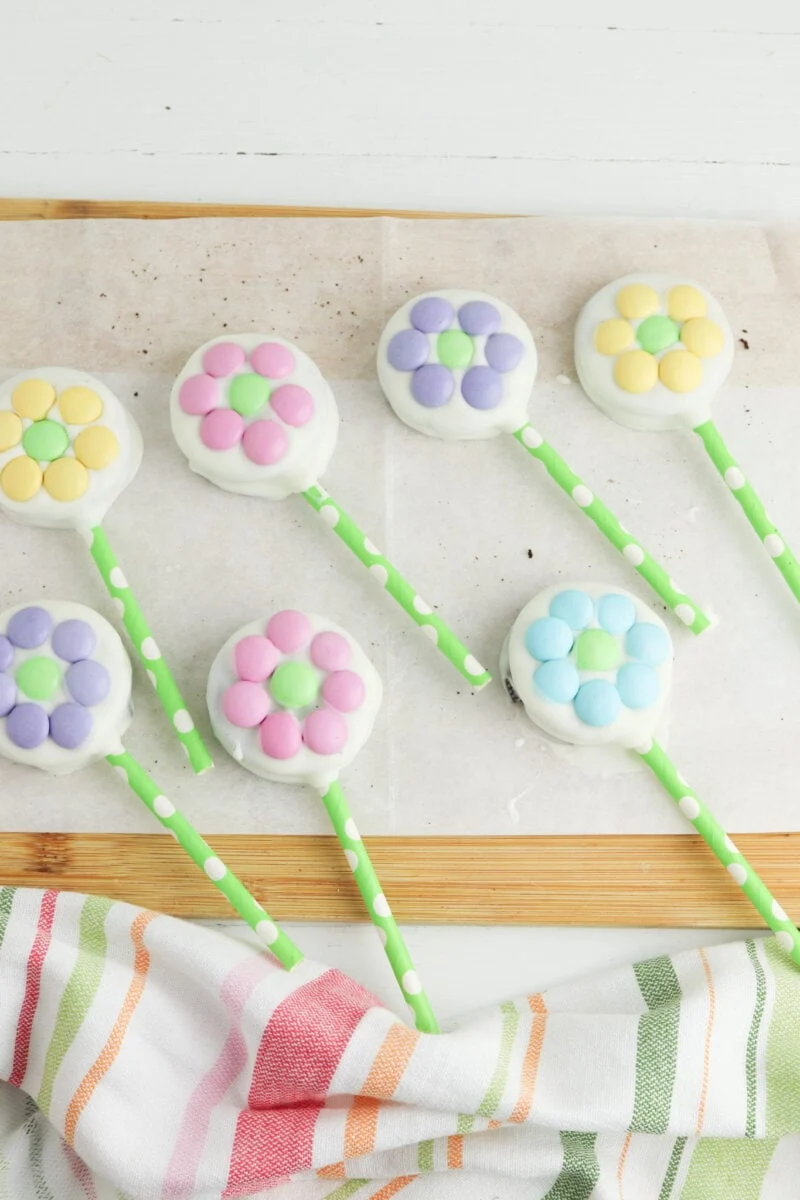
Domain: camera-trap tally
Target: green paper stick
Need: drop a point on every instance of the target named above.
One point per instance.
(752, 507)
(378, 907)
(202, 854)
(149, 654)
(398, 588)
(629, 547)
(721, 845)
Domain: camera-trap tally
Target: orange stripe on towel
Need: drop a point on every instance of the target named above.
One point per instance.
(455, 1152)
(393, 1187)
(626, 1145)
(530, 1064)
(712, 1008)
(384, 1075)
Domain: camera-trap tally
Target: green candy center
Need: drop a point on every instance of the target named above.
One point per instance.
(597, 650)
(294, 685)
(38, 678)
(248, 393)
(656, 333)
(45, 440)
(454, 348)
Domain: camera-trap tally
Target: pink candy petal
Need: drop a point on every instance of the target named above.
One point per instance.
(256, 658)
(344, 690)
(325, 731)
(330, 651)
(280, 735)
(289, 630)
(272, 360)
(293, 404)
(265, 442)
(221, 429)
(198, 395)
(223, 359)
(245, 705)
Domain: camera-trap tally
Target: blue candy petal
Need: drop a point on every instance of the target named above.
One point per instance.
(598, 703)
(574, 607)
(649, 643)
(558, 680)
(616, 613)
(637, 685)
(548, 638)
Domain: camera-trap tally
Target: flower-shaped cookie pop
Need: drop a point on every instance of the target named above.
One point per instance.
(253, 414)
(293, 698)
(65, 701)
(592, 665)
(68, 448)
(461, 365)
(652, 351)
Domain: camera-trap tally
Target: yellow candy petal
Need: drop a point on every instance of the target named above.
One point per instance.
(636, 372)
(685, 302)
(10, 431)
(79, 405)
(702, 337)
(33, 398)
(613, 336)
(21, 478)
(96, 448)
(680, 371)
(637, 300)
(66, 479)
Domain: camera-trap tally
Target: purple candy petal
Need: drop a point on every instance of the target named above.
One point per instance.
(88, 682)
(26, 726)
(74, 640)
(8, 694)
(432, 385)
(408, 350)
(504, 351)
(29, 628)
(6, 652)
(478, 316)
(482, 387)
(432, 314)
(70, 725)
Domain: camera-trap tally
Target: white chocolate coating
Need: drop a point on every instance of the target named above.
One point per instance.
(659, 407)
(306, 766)
(632, 726)
(104, 485)
(456, 419)
(111, 717)
(310, 446)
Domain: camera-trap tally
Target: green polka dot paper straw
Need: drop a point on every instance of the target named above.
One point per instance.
(751, 506)
(378, 908)
(723, 848)
(388, 577)
(204, 857)
(146, 647)
(631, 549)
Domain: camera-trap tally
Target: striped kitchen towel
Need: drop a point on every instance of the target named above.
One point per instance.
(145, 1057)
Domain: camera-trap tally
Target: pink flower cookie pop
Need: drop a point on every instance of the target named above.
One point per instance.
(68, 448)
(65, 702)
(253, 414)
(458, 364)
(293, 699)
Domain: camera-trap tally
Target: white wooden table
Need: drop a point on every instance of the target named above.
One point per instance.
(683, 108)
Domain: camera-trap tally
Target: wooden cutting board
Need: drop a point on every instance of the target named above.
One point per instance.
(649, 880)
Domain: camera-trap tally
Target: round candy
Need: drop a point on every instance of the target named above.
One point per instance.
(432, 314)
(680, 371)
(223, 358)
(280, 735)
(33, 398)
(616, 613)
(66, 479)
(10, 431)
(344, 691)
(29, 628)
(479, 317)
(574, 607)
(482, 387)
(256, 658)
(245, 704)
(73, 640)
(45, 440)
(27, 726)
(597, 703)
(649, 643)
(293, 404)
(636, 371)
(272, 360)
(596, 650)
(325, 731)
(408, 350)
(637, 685)
(247, 394)
(613, 336)
(294, 685)
(198, 395)
(504, 351)
(432, 385)
(558, 680)
(656, 333)
(6, 652)
(8, 694)
(703, 337)
(89, 682)
(97, 448)
(70, 725)
(80, 405)
(221, 429)
(454, 349)
(329, 652)
(685, 302)
(289, 630)
(37, 678)
(637, 300)
(21, 478)
(548, 638)
(265, 442)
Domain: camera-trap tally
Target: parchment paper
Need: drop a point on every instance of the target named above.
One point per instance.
(477, 527)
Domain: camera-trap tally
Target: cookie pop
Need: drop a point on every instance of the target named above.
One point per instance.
(460, 365)
(652, 351)
(65, 701)
(68, 448)
(253, 414)
(593, 665)
(293, 699)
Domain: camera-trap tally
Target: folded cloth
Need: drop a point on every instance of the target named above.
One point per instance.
(145, 1057)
